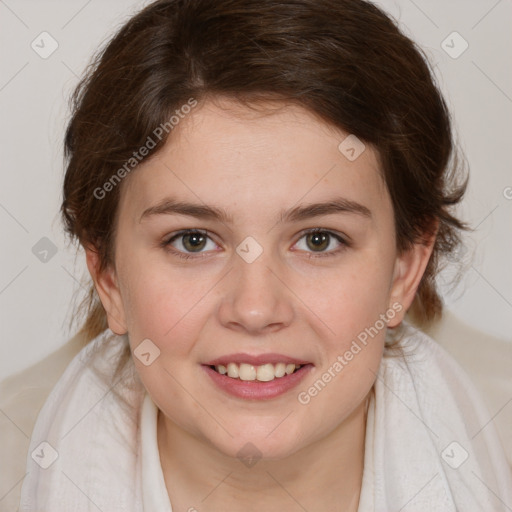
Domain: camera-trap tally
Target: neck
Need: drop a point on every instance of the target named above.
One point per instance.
(326, 474)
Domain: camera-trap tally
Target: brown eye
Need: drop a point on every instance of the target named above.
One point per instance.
(318, 241)
(194, 241)
(189, 242)
(321, 242)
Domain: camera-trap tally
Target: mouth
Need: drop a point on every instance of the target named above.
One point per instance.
(262, 373)
(257, 382)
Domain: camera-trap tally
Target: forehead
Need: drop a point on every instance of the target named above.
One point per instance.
(253, 160)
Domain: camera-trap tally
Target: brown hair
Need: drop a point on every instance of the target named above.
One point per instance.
(344, 60)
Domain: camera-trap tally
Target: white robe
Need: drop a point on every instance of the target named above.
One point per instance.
(430, 443)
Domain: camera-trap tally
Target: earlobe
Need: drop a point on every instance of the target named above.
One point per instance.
(105, 282)
(408, 272)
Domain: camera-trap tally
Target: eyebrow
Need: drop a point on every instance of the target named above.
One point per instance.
(171, 206)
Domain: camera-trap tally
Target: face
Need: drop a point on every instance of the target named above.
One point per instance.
(262, 276)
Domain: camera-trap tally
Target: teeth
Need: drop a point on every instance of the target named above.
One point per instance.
(290, 368)
(233, 370)
(266, 372)
(263, 373)
(280, 369)
(247, 372)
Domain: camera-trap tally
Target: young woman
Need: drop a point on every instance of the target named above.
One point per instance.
(263, 190)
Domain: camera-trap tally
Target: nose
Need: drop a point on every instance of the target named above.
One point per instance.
(254, 298)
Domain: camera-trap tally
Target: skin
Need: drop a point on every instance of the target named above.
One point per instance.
(252, 165)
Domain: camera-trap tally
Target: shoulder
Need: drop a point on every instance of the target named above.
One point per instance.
(456, 371)
(24, 395)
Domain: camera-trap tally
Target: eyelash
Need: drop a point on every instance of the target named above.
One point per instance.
(167, 243)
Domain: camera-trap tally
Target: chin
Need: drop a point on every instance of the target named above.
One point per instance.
(251, 446)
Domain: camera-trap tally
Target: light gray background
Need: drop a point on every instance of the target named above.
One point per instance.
(36, 298)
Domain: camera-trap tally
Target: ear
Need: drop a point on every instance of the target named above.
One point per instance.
(409, 269)
(105, 282)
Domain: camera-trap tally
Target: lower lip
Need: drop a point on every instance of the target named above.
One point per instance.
(255, 389)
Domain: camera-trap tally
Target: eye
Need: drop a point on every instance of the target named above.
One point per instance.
(189, 241)
(320, 240)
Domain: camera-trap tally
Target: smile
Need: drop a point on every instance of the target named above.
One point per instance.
(260, 382)
(263, 373)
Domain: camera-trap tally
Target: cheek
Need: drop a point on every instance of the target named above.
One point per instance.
(158, 301)
(340, 387)
(354, 307)
(165, 308)
(350, 299)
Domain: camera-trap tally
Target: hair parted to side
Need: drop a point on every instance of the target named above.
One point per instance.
(344, 60)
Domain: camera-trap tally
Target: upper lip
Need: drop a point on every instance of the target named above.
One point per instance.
(255, 360)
